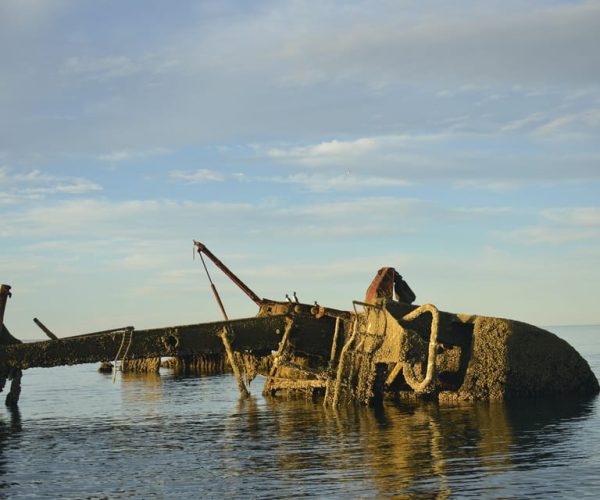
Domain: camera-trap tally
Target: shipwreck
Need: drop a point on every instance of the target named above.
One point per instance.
(384, 346)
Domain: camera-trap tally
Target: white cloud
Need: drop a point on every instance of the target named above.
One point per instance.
(510, 44)
(152, 219)
(482, 211)
(132, 218)
(140, 261)
(322, 183)
(128, 155)
(574, 216)
(365, 70)
(76, 186)
(471, 161)
(8, 199)
(495, 186)
(35, 184)
(538, 235)
(580, 122)
(521, 123)
(316, 183)
(204, 175)
(366, 208)
(199, 176)
(559, 226)
(326, 152)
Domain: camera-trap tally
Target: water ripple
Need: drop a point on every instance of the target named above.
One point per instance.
(79, 436)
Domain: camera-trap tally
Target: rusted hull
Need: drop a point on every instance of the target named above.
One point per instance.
(384, 346)
(259, 336)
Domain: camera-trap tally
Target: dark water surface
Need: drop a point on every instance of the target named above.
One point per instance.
(77, 435)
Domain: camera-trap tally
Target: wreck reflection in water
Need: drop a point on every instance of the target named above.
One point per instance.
(424, 448)
(78, 435)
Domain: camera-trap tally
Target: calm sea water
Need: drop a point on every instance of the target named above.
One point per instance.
(76, 435)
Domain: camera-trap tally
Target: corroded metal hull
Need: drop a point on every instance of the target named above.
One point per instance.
(381, 348)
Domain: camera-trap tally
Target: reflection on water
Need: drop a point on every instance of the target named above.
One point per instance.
(78, 435)
(9, 438)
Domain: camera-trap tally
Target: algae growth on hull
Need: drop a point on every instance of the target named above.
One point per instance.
(386, 346)
(394, 349)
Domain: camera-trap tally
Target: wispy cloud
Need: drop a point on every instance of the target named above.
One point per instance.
(347, 129)
(124, 155)
(558, 226)
(538, 235)
(140, 261)
(583, 122)
(492, 185)
(35, 184)
(322, 183)
(315, 183)
(204, 175)
(520, 123)
(574, 216)
(335, 152)
(483, 161)
(357, 78)
(122, 218)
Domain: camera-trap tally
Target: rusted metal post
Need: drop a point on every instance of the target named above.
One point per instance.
(227, 331)
(225, 338)
(236, 370)
(4, 295)
(12, 398)
(283, 345)
(14, 374)
(202, 249)
(3, 375)
(45, 329)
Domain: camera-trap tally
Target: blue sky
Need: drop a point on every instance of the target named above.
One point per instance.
(307, 144)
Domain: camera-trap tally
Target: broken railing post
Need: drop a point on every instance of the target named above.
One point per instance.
(236, 370)
(45, 329)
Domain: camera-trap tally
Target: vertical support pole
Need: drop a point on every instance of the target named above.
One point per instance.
(225, 338)
(4, 295)
(335, 341)
(14, 374)
(226, 331)
(236, 371)
(3, 375)
(341, 363)
(268, 389)
(12, 398)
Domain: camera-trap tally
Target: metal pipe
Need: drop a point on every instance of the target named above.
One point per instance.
(202, 249)
(45, 329)
(227, 329)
